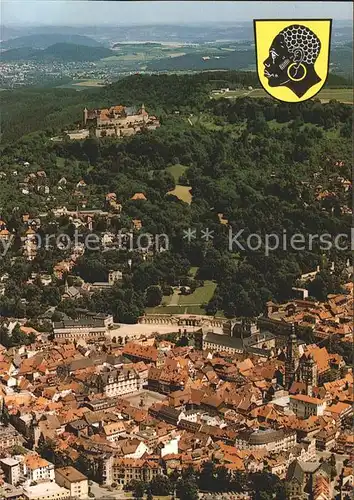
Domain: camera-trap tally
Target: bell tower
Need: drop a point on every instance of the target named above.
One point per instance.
(292, 358)
(309, 374)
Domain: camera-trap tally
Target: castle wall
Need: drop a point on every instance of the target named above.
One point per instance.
(123, 122)
(80, 134)
(107, 132)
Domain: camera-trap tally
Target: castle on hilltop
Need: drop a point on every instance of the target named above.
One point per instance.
(118, 120)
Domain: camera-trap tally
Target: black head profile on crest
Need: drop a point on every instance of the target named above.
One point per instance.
(291, 60)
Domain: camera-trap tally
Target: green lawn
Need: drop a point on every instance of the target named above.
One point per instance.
(165, 310)
(195, 310)
(187, 304)
(176, 171)
(177, 310)
(201, 295)
(166, 300)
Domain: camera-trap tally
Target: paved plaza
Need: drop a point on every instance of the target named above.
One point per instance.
(145, 396)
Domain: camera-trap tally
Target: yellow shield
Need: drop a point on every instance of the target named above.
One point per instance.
(292, 56)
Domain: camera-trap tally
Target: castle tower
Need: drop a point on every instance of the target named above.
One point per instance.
(144, 113)
(309, 373)
(292, 358)
(198, 339)
(85, 115)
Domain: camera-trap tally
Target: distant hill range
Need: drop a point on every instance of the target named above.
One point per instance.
(61, 52)
(44, 40)
(341, 61)
(243, 59)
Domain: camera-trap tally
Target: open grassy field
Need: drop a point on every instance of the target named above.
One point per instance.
(201, 295)
(176, 171)
(82, 84)
(89, 83)
(135, 56)
(186, 304)
(183, 193)
(343, 95)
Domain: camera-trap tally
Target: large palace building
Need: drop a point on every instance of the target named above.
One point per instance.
(118, 120)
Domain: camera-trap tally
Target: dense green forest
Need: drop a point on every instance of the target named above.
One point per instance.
(28, 110)
(258, 162)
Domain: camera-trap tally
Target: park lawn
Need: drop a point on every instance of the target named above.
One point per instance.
(176, 171)
(195, 310)
(201, 295)
(166, 299)
(165, 310)
(183, 193)
(176, 310)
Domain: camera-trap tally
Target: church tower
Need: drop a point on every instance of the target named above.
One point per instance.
(308, 373)
(66, 287)
(292, 358)
(85, 116)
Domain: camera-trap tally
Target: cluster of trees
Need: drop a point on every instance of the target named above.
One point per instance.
(327, 115)
(212, 478)
(15, 338)
(22, 299)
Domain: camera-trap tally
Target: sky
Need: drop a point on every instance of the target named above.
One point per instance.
(82, 12)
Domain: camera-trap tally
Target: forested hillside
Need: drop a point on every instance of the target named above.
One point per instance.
(64, 52)
(28, 110)
(44, 40)
(260, 163)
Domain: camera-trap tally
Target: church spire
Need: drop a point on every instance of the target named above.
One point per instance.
(292, 358)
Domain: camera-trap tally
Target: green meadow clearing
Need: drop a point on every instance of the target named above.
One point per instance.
(176, 171)
(183, 193)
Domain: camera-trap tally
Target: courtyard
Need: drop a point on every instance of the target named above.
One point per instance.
(146, 397)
